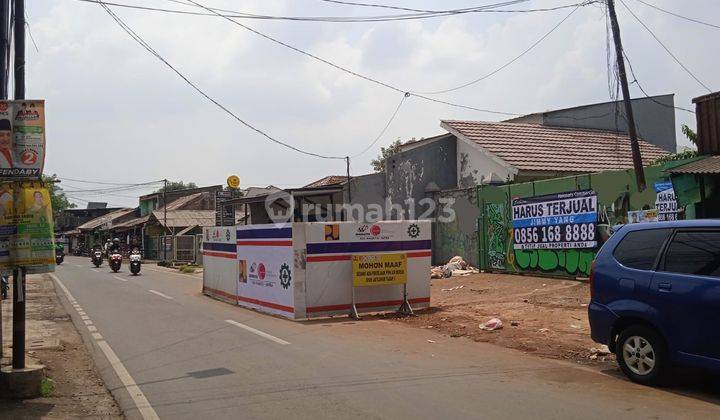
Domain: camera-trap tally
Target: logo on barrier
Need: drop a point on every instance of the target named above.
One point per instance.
(332, 232)
(375, 230)
(261, 271)
(285, 276)
(413, 231)
(227, 234)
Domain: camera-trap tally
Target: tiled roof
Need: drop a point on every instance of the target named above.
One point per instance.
(99, 221)
(709, 165)
(328, 180)
(535, 147)
(185, 218)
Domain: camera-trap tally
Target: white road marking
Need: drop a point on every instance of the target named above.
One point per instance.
(84, 317)
(141, 402)
(258, 332)
(119, 278)
(161, 294)
(81, 313)
(170, 272)
(88, 322)
(78, 265)
(95, 270)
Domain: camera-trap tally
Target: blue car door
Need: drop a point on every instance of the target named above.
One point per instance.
(687, 284)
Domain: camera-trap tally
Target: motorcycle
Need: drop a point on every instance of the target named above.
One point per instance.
(96, 257)
(59, 257)
(135, 263)
(115, 261)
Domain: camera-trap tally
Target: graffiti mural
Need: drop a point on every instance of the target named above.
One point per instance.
(555, 261)
(496, 235)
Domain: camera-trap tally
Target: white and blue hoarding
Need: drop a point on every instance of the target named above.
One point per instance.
(555, 221)
(665, 202)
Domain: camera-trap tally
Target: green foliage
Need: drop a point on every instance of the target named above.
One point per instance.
(690, 134)
(176, 185)
(685, 154)
(378, 163)
(47, 387)
(58, 199)
(187, 269)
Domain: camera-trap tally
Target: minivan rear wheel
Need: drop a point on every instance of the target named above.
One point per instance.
(642, 355)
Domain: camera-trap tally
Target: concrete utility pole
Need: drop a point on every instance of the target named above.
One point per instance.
(634, 146)
(18, 351)
(164, 244)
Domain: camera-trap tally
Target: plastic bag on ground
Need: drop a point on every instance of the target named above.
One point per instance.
(492, 324)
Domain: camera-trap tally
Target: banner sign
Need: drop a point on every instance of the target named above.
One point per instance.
(22, 139)
(379, 269)
(26, 227)
(665, 201)
(642, 216)
(555, 221)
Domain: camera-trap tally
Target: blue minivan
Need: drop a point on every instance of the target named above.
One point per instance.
(655, 297)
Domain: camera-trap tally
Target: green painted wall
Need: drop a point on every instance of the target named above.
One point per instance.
(616, 196)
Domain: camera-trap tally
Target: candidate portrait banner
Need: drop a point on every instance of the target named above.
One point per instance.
(22, 139)
(555, 221)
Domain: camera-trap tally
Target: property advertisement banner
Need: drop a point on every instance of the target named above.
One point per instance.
(555, 221)
(22, 139)
(265, 267)
(379, 269)
(665, 201)
(26, 227)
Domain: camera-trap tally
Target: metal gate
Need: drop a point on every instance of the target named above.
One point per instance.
(184, 247)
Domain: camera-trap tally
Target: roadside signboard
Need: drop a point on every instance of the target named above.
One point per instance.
(665, 201)
(22, 139)
(224, 214)
(379, 269)
(555, 221)
(233, 181)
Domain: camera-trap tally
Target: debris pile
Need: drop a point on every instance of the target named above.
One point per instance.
(491, 325)
(457, 266)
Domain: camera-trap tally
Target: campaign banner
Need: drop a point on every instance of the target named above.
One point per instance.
(555, 221)
(665, 201)
(379, 269)
(643, 216)
(22, 139)
(26, 227)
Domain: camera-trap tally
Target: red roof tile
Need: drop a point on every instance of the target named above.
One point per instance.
(328, 180)
(535, 147)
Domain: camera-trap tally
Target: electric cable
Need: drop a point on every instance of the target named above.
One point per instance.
(147, 47)
(680, 16)
(527, 50)
(382, 132)
(667, 50)
(637, 83)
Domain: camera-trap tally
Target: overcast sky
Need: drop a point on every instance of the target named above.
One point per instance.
(116, 114)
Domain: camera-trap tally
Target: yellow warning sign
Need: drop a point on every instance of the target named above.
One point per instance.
(379, 269)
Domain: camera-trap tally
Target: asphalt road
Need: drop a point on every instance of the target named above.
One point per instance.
(174, 353)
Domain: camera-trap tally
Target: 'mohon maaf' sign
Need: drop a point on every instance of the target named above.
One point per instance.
(555, 221)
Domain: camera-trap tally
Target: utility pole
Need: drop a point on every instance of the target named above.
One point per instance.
(164, 245)
(18, 350)
(4, 64)
(634, 146)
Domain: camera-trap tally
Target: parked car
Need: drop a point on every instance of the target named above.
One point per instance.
(655, 297)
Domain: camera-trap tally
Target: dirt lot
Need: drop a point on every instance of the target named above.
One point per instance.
(543, 316)
(54, 342)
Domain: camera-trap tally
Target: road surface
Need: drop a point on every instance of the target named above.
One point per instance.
(167, 351)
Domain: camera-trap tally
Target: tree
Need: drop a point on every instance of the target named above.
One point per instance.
(378, 163)
(175, 186)
(58, 199)
(687, 153)
(690, 134)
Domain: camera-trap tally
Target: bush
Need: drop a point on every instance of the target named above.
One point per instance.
(47, 387)
(187, 269)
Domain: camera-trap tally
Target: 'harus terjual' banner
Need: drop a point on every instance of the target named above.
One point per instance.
(26, 227)
(22, 139)
(555, 221)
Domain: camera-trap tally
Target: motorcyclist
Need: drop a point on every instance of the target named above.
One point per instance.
(106, 248)
(114, 246)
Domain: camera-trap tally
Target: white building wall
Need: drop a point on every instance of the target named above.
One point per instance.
(474, 166)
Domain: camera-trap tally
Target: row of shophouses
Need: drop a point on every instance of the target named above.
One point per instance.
(474, 168)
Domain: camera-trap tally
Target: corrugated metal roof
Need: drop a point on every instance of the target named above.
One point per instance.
(99, 221)
(185, 218)
(132, 222)
(709, 165)
(177, 204)
(536, 147)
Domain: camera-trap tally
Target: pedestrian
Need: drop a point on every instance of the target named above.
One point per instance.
(3, 287)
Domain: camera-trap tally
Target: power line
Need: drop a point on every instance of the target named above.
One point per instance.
(382, 132)
(381, 6)
(343, 69)
(679, 16)
(106, 183)
(637, 82)
(666, 48)
(147, 47)
(527, 50)
(331, 19)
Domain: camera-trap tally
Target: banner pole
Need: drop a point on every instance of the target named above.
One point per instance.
(405, 308)
(353, 308)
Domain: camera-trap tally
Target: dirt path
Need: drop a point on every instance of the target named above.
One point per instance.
(54, 342)
(542, 316)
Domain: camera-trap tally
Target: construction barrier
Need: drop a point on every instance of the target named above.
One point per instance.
(306, 270)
